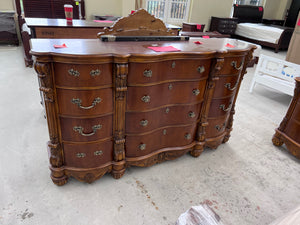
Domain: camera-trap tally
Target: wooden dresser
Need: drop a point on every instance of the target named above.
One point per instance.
(223, 25)
(289, 130)
(111, 105)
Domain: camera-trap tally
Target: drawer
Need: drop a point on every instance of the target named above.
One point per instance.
(140, 122)
(149, 97)
(141, 73)
(220, 107)
(226, 86)
(84, 130)
(88, 155)
(232, 66)
(83, 75)
(293, 130)
(85, 103)
(140, 145)
(216, 127)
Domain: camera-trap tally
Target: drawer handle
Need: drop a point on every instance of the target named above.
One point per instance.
(167, 110)
(80, 155)
(144, 123)
(80, 130)
(196, 92)
(173, 65)
(96, 72)
(164, 132)
(220, 127)
(77, 101)
(170, 87)
(187, 136)
(73, 72)
(98, 153)
(148, 73)
(201, 69)
(228, 86)
(146, 98)
(192, 114)
(142, 147)
(234, 64)
(223, 107)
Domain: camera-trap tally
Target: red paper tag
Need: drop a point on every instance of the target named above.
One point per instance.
(165, 49)
(198, 42)
(298, 24)
(60, 46)
(103, 21)
(132, 11)
(199, 26)
(260, 9)
(229, 45)
(205, 36)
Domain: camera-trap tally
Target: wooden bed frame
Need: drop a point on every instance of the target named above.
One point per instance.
(254, 14)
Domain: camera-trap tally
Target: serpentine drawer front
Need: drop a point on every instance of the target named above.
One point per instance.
(111, 105)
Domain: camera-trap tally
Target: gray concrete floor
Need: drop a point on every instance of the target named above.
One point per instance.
(247, 181)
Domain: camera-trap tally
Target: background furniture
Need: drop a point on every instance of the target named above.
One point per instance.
(193, 27)
(276, 74)
(8, 32)
(213, 34)
(254, 14)
(292, 14)
(223, 25)
(289, 129)
(111, 105)
(42, 9)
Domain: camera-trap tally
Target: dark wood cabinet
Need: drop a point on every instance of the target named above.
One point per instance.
(288, 132)
(223, 25)
(8, 32)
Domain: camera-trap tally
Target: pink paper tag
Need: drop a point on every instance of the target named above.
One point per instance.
(198, 42)
(205, 36)
(165, 49)
(260, 9)
(60, 46)
(229, 45)
(298, 24)
(199, 26)
(103, 21)
(132, 11)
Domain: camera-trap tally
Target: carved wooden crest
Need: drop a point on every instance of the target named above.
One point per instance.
(140, 23)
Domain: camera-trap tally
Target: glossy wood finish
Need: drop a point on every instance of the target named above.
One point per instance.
(143, 117)
(288, 131)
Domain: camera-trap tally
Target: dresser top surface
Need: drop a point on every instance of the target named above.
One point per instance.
(93, 47)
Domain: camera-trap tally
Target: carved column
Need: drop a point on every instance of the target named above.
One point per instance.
(120, 73)
(54, 148)
(210, 86)
(247, 59)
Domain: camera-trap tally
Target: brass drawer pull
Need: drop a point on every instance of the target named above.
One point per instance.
(234, 64)
(80, 130)
(201, 69)
(167, 110)
(192, 114)
(146, 98)
(80, 155)
(142, 147)
(196, 92)
(98, 153)
(77, 101)
(187, 136)
(73, 72)
(144, 123)
(164, 132)
(228, 86)
(170, 87)
(173, 64)
(148, 73)
(220, 127)
(96, 72)
(223, 107)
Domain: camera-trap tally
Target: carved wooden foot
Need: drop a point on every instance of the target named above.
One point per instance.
(277, 141)
(118, 169)
(226, 138)
(59, 181)
(198, 149)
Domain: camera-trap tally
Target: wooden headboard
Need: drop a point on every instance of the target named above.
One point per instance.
(248, 13)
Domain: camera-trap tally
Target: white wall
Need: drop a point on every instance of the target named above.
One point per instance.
(7, 5)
